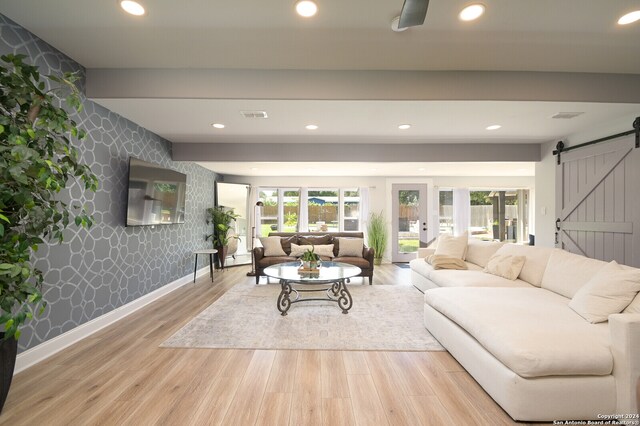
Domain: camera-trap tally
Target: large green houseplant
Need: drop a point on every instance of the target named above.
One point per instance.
(377, 235)
(37, 161)
(221, 218)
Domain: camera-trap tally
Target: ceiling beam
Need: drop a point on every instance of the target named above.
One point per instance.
(362, 85)
(271, 152)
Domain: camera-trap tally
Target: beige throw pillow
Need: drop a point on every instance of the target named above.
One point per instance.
(505, 265)
(608, 292)
(350, 247)
(297, 251)
(479, 252)
(445, 262)
(451, 246)
(325, 250)
(272, 246)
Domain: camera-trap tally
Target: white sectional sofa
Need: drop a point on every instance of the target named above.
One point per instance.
(535, 356)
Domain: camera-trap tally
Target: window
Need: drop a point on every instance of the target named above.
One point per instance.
(494, 214)
(328, 210)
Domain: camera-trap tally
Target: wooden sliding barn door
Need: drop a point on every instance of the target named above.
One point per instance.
(598, 201)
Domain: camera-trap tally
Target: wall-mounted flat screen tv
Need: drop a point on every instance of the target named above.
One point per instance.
(156, 194)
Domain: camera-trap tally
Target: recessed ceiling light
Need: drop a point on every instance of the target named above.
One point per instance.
(494, 127)
(629, 18)
(306, 8)
(132, 7)
(404, 126)
(471, 12)
(218, 125)
(421, 169)
(311, 127)
(254, 168)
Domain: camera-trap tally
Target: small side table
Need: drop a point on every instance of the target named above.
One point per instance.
(210, 252)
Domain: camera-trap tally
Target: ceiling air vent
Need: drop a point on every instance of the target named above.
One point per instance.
(254, 114)
(566, 115)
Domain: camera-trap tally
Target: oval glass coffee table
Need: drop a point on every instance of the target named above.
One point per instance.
(335, 273)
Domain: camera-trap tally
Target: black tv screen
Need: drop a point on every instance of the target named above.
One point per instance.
(156, 194)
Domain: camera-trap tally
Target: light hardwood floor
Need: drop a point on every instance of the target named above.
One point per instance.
(120, 376)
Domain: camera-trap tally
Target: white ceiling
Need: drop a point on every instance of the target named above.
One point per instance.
(535, 35)
(514, 35)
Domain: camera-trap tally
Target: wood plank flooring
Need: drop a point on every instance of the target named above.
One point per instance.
(120, 376)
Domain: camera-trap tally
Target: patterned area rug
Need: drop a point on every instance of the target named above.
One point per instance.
(383, 317)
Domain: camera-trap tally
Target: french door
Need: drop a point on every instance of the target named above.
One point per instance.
(409, 220)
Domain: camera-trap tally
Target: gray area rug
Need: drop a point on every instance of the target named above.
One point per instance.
(383, 317)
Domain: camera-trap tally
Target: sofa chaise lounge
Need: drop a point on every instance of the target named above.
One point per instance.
(520, 340)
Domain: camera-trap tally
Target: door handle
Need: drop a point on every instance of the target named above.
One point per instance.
(424, 229)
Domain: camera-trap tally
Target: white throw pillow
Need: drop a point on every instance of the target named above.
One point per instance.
(479, 252)
(350, 247)
(505, 265)
(325, 250)
(451, 246)
(297, 251)
(537, 259)
(608, 292)
(272, 246)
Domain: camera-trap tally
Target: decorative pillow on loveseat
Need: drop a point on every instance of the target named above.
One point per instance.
(350, 247)
(608, 292)
(324, 251)
(272, 246)
(298, 251)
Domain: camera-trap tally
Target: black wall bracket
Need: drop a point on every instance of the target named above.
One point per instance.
(636, 126)
(558, 150)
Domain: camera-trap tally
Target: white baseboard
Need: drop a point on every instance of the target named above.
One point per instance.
(52, 346)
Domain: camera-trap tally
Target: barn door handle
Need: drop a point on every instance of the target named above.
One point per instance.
(558, 224)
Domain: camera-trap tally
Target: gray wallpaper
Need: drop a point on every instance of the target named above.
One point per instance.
(98, 270)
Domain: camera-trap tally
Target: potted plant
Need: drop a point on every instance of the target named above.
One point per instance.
(37, 160)
(221, 218)
(377, 236)
(310, 259)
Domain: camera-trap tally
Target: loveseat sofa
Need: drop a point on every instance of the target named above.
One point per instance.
(524, 344)
(365, 262)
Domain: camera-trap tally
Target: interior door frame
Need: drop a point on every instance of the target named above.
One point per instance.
(423, 214)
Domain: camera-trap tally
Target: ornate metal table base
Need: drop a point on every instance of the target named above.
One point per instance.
(338, 293)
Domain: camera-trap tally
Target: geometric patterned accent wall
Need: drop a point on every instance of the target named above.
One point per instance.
(98, 270)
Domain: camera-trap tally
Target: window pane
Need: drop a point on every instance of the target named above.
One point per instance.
(291, 206)
(351, 212)
(269, 213)
(496, 214)
(408, 221)
(446, 211)
(323, 210)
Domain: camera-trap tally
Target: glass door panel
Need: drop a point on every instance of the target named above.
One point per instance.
(409, 223)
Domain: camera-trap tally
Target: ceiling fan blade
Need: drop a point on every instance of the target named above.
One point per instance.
(413, 13)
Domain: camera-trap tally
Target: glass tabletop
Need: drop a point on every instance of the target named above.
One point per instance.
(328, 272)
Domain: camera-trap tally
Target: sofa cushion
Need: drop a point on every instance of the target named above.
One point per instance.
(567, 272)
(452, 278)
(479, 252)
(350, 247)
(532, 331)
(451, 246)
(272, 246)
(268, 261)
(324, 250)
(505, 266)
(287, 241)
(315, 240)
(360, 262)
(634, 307)
(534, 266)
(608, 292)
